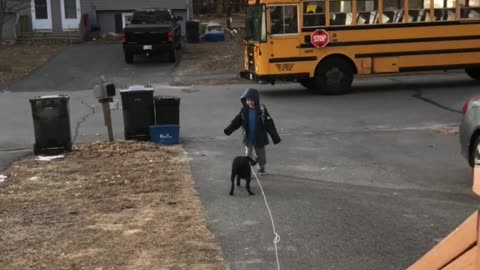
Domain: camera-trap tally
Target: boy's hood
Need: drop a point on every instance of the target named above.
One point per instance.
(250, 93)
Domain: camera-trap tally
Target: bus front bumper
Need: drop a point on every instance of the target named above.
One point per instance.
(272, 78)
(250, 76)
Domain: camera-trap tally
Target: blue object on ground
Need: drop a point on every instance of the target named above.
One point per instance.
(213, 37)
(165, 134)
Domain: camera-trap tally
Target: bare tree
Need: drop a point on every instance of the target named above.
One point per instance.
(219, 7)
(8, 7)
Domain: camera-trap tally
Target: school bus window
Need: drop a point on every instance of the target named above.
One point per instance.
(255, 29)
(417, 12)
(283, 19)
(392, 11)
(392, 4)
(341, 12)
(444, 10)
(313, 13)
(366, 11)
(470, 9)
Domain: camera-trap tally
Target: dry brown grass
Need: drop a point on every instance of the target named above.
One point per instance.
(119, 205)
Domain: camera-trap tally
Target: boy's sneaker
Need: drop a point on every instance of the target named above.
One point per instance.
(262, 171)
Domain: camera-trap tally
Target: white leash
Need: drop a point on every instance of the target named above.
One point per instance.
(276, 239)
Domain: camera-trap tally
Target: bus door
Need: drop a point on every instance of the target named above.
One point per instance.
(283, 34)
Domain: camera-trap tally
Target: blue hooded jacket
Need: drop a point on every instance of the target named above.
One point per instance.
(264, 122)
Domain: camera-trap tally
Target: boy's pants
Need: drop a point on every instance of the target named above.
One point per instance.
(259, 152)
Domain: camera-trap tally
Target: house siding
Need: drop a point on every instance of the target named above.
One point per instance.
(102, 12)
(56, 15)
(9, 29)
(106, 20)
(90, 7)
(131, 5)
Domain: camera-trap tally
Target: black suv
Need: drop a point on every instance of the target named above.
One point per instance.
(152, 31)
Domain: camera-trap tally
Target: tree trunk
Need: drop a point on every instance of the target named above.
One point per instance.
(1, 26)
(3, 15)
(219, 7)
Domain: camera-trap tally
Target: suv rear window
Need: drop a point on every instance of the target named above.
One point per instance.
(151, 17)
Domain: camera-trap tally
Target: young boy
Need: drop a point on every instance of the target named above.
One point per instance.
(256, 123)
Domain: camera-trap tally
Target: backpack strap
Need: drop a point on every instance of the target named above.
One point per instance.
(263, 113)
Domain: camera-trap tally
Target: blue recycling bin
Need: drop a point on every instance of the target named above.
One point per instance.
(165, 134)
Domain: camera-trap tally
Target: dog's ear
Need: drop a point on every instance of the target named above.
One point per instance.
(252, 162)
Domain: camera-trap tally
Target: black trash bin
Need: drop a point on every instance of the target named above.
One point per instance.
(138, 112)
(51, 123)
(193, 31)
(167, 110)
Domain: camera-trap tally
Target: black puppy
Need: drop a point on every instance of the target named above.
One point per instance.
(241, 169)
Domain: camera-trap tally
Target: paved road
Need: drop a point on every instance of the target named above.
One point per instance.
(361, 181)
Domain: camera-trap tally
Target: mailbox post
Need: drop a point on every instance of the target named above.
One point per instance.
(105, 93)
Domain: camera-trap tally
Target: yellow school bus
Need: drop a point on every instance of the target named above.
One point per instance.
(323, 44)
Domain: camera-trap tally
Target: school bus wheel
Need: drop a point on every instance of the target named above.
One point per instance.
(473, 72)
(334, 76)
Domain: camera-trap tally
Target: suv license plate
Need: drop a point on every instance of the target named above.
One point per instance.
(147, 47)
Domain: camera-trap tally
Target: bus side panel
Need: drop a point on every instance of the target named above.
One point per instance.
(385, 64)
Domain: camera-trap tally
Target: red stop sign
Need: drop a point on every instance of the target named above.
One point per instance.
(319, 38)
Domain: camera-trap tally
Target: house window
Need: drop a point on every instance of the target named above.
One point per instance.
(41, 9)
(126, 18)
(70, 9)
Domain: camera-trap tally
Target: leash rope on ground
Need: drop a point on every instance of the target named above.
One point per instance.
(276, 239)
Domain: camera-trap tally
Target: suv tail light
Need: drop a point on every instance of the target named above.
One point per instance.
(467, 103)
(170, 36)
(123, 37)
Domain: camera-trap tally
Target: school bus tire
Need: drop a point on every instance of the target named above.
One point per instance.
(473, 72)
(334, 76)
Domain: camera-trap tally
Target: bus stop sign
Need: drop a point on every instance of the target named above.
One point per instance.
(319, 38)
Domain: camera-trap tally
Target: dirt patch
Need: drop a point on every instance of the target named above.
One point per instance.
(447, 130)
(119, 205)
(18, 60)
(213, 63)
(209, 58)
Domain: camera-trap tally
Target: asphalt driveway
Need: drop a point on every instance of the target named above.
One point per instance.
(80, 67)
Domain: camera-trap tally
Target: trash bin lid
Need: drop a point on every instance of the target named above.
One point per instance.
(167, 100)
(50, 97)
(166, 97)
(137, 87)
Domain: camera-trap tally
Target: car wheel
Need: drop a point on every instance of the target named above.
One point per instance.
(474, 73)
(334, 76)
(172, 56)
(129, 58)
(474, 157)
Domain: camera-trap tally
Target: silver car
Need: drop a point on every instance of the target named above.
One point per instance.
(469, 131)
